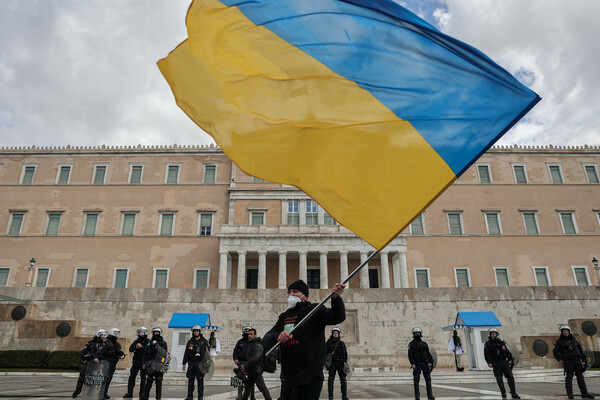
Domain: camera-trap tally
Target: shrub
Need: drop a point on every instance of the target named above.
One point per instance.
(40, 359)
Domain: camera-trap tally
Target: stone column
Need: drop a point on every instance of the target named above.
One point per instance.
(344, 267)
(262, 269)
(241, 273)
(364, 272)
(396, 270)
(302, 267)
(385, 270)
(597, 269)
(403, 269)
(282, 270)
(323, 270)
(223, 270)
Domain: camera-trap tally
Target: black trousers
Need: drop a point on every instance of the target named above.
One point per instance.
(136, 368)
(312, 391)
(194, 373)
(260, 384)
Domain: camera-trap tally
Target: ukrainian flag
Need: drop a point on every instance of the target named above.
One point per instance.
(364, 106)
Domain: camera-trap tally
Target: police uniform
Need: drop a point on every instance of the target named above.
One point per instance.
(568, 350)
(137, 365)
(240, 353)
(195, 352)
(335, 350)
(87, 353)
(497, 353)
(421, 358)
(110, 350)
(149, 355)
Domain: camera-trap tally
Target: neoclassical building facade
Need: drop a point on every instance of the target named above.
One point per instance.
(187, 217)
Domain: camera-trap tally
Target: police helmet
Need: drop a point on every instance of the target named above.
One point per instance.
(493, 330)
(157, 329)
(565, 327)
(417, 329)
(336, 329)
(142, 331)
(246, 328)
(197, 328)
(101, 333)
(114, 332)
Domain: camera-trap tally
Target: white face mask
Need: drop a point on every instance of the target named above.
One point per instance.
(292, 301)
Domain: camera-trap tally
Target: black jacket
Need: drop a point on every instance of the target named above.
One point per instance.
(152, 348)
(91, 347)
(496, 350)
(110, 350)
(138, 353)
(240, 351)
(568, 348)
(194, 347)
(253, 365)
(339, 353)
(418, 353)
(302, 357)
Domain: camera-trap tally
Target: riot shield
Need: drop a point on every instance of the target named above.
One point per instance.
(434, 356)
(160, 363)
(95, 380)
(589, 358)
(515, 354)
(208, 366)
(348, 370)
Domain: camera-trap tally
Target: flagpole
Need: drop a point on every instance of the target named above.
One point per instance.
(314, 310)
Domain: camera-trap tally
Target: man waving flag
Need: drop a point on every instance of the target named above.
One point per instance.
(364, 106)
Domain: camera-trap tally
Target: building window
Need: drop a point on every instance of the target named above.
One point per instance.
(461, 275)
(530, 222)
(592, 173)
(81, 277)
(484, 173)
(520, 175)
(210, 173)
(541, 276)
(161, 278)
(91, 221)
(313, 277)
(4, 272)
(293, 212)
(205, 224)
(42, 277)
(257, 218)
(64, 173)
(568, 223)
(172, 173)
(416, 227)
(501, 276)
(455, 224)
(328, 219)
(492, 221)
(201, 279)
(581, 277)
(555, 174)
(311, 213)
(422, 278)
(53, 224)
(16, 222)
(373, 278)
(27, 176)
(167, 221)
(121, 275)
(99, 174)
(252, 279)
(183, 338)
(128, 224)
(135, 174)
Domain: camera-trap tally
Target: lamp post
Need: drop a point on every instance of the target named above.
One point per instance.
(30, 269)
(597, 269)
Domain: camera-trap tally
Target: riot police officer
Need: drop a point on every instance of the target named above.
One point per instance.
(196, 351)
(240, 356)
(149, 355)
(87, 353)
(336, 355)
(569, 353)
(499, 357)
(421, 360)
(137, 348)
(111, 352)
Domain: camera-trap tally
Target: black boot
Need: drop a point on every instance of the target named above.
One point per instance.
(344, 386)
(106, 386)
(416, 386)
(201, 388)
(501, 386)
(130, 386)
(190, 394)
(159, 380)
(429, 388)
(330, 387)
(512, 387)
(79, 386)
(569, 386)
(583, 388)
(143, 378)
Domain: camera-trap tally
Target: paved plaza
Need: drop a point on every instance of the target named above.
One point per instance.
(531, 384)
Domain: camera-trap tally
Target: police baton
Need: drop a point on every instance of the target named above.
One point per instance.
(314, 310)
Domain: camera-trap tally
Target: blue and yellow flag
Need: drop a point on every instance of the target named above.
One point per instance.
(364, 106)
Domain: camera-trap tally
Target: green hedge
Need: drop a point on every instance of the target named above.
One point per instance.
(596, 359)
(40, 359)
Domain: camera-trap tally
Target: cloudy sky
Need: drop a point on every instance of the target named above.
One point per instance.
(83, 72)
